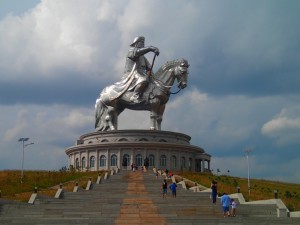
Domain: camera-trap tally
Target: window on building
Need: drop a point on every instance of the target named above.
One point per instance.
(182, 162)
(143, 139)
(123, 139)
(139, 160)
(102, 161)
(190, 163)
(92, 162)
(173, 162)
(163, 161)
(113, 160)
(126, 160)
(77, 163)
(83, 163)
(151, 160)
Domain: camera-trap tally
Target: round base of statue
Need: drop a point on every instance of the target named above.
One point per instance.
(125, 149)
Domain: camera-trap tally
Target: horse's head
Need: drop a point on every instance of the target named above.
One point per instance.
(182, 73)
(171, 71)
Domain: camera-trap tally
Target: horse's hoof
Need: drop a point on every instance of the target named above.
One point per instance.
(152, 128)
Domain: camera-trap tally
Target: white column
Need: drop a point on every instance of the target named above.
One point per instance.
(88, 159)
(119, 158)
(131, 157)
(107, 159)
(97, 159)
(80, 162)
(144, 154)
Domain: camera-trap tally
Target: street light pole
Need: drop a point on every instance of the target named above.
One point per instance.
(24, 145)
(247, 151)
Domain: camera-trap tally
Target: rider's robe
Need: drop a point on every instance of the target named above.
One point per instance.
(114, 91)
(135, 73)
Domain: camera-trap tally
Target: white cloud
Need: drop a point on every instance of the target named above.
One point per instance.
(47, 123)
(284, 128)
(57, 35)
(75, 119)
(20, 125)
(52, 129)
(215, 123)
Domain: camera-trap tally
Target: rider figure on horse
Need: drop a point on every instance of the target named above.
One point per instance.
(138, 66)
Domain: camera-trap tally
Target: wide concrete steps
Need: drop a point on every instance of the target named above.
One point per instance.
(134, 198)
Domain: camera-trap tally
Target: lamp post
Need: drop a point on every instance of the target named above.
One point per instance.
(24, 146)
(247, 152)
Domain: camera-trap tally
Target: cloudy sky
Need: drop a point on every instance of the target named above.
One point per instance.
(243, 91)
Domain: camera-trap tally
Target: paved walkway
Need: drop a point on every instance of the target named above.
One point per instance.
(138, 207)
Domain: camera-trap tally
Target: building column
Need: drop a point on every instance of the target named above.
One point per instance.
(144, 154)
(131, 157)
(119, 164)
(108, 160)
(72, 160)
(97, 160)
(80, 161)
(88, 159)
(202, 165)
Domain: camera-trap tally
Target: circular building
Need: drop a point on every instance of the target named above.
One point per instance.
(122, 148)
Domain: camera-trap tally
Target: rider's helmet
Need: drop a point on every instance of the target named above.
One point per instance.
(137, 40)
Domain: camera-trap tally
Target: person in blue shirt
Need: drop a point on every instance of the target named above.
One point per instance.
(173, 187)
(225, 201)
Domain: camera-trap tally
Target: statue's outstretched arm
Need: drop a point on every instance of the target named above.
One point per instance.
(143, 51)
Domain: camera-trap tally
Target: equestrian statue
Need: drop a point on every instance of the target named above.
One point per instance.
(140, 88)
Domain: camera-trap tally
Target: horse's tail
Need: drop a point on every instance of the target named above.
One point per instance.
(101, 111)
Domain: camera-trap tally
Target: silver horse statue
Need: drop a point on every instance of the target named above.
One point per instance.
(115, 98)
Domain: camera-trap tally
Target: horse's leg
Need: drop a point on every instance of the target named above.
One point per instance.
(160, 116)
(153, 120)
(101, 116)
(154, 113)
(111, 118)
(97, 113)
(115, 119)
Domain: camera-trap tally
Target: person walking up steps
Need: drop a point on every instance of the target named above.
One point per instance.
(225, 201)
(173, 187)
(214, 192)
(233, 207)
(164, 188)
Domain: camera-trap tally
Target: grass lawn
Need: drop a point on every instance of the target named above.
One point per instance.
(47, 182)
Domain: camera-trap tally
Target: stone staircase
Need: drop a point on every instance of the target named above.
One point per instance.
(133, 198)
